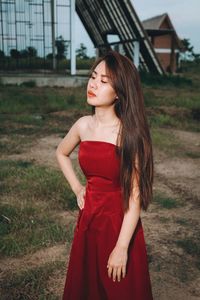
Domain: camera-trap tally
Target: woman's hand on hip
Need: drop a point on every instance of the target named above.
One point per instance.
(117, 263)
(81, 197)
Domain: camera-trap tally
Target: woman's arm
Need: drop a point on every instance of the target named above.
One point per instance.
(118, 258)
(66, 146)
(130, 221)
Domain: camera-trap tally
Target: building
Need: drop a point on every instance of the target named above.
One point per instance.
(40, 35)
(165, 41)
(118, 18)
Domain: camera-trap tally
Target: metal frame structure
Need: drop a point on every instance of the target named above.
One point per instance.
(36, 23)
(118, 17)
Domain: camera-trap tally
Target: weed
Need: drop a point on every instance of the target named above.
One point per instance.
(18, 99)
(165, 80)
(163, 219)
(161, 120)
(30, 83)
(165, 141)
(165, 202)
(194, 155)
(183, 222)
(36, 183)
(30, 284)
(27, 230)
(190, 246)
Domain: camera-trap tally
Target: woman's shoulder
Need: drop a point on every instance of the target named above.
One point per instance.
(84, 121)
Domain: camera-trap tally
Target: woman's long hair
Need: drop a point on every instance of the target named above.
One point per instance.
(134, 140)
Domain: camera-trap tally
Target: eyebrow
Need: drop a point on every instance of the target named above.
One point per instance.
(102, 75)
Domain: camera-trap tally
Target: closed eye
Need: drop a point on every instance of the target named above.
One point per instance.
(101, 80)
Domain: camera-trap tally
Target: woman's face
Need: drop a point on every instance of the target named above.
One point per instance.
(99, 90)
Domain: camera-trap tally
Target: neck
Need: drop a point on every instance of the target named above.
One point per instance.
(105, 117)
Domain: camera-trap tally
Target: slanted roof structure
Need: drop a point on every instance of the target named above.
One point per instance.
(161, 25)
(154, 22)
(118, 17)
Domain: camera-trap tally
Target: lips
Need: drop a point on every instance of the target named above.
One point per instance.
(91, 94)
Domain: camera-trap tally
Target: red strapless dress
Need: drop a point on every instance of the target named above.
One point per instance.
(96, 233)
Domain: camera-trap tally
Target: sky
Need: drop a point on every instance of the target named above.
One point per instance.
(184, 15)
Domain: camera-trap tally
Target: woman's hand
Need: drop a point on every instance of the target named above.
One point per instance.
(117, 262)
(80, 195)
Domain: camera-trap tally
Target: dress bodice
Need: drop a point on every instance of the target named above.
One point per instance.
(100, 164)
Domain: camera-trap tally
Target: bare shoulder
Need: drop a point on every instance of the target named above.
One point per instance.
(84, 122)
(84, 125)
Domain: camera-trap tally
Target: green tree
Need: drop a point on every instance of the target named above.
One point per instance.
(61, 46)
(49, 56)
(32, 52)
(24, 53)
(14, 53)
(188, 53)
(197, 57)
(82, 52)
(2, 55)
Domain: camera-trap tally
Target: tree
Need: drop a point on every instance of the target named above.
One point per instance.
(32, 52)
(197, 56)
(2, 55)
(188, 53)
(82, 52)
(49, 56)
(24, 53)
(14, 53)
(61, 46)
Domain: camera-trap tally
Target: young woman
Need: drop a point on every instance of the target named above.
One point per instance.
(108, 259)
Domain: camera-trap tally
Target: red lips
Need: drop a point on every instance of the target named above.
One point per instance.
(91, 94)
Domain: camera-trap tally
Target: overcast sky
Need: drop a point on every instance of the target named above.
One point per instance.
(184, 15)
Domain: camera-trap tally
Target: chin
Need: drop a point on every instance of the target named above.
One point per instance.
(90, 102)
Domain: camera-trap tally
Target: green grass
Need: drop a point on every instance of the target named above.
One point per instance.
(172, 98)
(29, 119)
(30, 183)
(25, 230)
(165, 80)
(31, 284)
(20, 99)
(163, 219)
(15, 144)
(31, 111)
(164, 201)
(193, 155)
(161, 120)
(33, 126)
(190, 246)
(182, 221)
(30, 83)
(165, 141)
(31, 195)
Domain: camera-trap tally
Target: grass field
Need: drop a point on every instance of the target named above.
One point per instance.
(38, 210)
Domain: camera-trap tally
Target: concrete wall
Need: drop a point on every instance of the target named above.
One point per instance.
(44, 80)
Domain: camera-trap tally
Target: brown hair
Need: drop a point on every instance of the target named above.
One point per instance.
(134, 140)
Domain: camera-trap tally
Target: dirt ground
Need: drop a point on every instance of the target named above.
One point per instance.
(173, 271)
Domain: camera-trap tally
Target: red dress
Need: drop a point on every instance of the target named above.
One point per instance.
(96, 233)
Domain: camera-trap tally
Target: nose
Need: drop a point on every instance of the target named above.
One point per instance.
(94, 83)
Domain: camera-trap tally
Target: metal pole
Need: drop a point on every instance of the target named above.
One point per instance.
(53, 33)
(72, 37)
(2, 31)
(97, 53)
(136, 58)
(43, 21)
